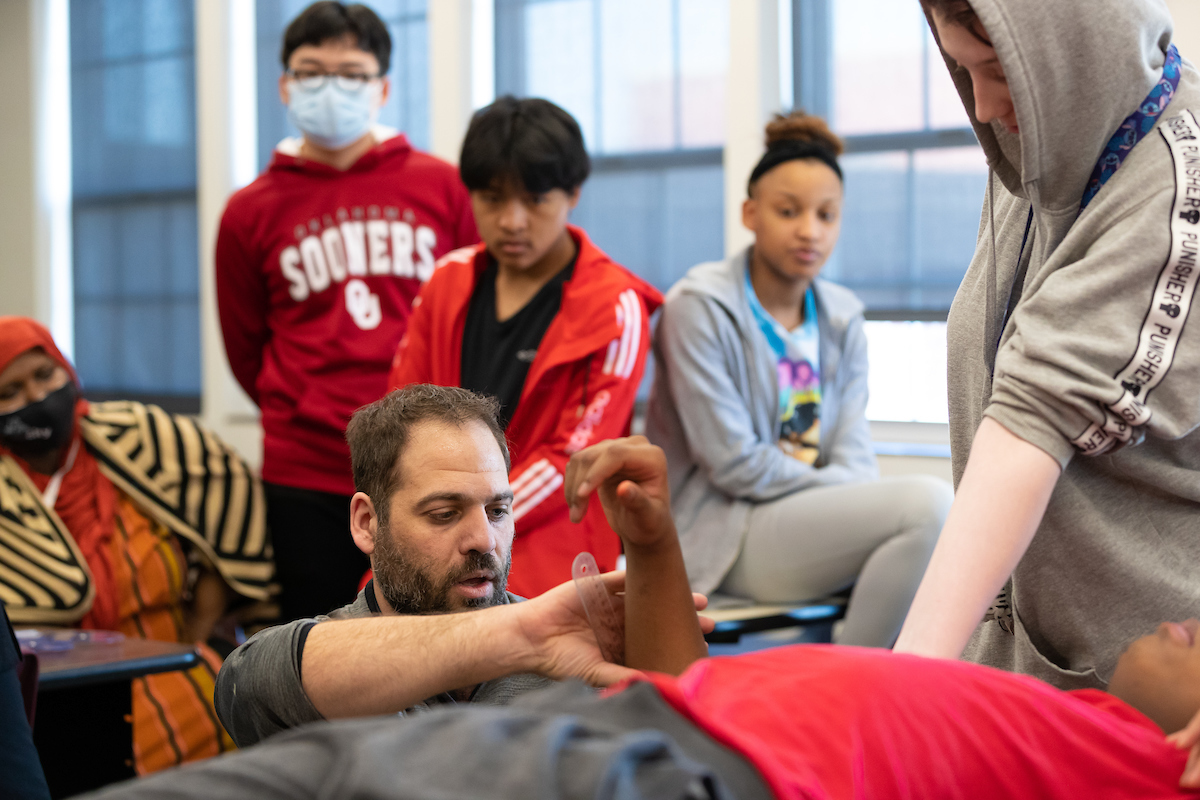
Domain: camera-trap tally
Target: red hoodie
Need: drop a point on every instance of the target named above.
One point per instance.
(316, 273)
(579, 390)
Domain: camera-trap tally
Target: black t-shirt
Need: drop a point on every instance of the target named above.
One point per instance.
(496, 355)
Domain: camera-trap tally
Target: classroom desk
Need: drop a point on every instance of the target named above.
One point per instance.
(89, 663)
(82, 728)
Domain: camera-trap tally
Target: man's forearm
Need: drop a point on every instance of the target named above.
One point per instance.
(383, 665)
(996, 512)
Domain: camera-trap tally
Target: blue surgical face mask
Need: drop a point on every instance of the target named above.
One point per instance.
(331, 115)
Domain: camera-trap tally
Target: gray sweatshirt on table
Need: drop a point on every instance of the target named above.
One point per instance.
(714, 410)
(259, 691)
(1097, 365)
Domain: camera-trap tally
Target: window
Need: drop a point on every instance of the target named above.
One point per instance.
(646, 81)
(915, 179)
(134, 209)
(914, 174)
(408, 107)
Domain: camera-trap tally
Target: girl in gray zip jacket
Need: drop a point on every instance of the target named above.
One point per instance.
(774, 485)
(1074, 369)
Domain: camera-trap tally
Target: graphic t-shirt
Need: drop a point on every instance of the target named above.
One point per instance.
(798, 366)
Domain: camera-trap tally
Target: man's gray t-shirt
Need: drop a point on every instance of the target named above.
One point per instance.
(259, 690)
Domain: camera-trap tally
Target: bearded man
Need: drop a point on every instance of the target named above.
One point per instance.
(434, 513)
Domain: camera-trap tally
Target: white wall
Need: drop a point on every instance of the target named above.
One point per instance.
(751, 97)
(1187, 27)
(451, 72)
(35, 165)
(18, 199)
(226, 155)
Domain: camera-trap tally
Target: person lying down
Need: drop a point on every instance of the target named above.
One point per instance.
(807, 721)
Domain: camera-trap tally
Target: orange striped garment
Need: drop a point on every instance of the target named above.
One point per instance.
(173, 716)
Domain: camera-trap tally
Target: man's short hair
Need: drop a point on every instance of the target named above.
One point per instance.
(530, 141)
(379, 432)
(327, 19)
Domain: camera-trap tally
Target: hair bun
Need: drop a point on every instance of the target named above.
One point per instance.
(800, 127)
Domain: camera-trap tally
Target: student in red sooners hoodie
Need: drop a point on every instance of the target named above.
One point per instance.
(318, 262)
(540, 318)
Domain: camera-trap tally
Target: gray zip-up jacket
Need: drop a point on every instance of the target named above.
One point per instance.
(259, 690)
(714, 409)
(1098, 364)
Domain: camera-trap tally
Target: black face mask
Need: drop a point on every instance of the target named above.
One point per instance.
(40, 428)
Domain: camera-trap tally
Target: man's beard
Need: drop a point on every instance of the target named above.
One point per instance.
(410, 590)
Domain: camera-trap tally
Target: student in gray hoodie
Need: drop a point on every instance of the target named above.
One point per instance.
(759, 401)
(1074, 374)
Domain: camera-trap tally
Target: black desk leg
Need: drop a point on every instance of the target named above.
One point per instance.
(84, 737)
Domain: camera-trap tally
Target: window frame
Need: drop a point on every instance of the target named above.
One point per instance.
(510, 78)
(812, 76)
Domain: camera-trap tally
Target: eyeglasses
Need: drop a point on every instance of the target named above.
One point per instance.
(346, 81)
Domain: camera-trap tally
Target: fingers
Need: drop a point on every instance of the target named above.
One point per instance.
(603, 464)
(707, 624)
(1190, 779)
(576, 468)
(614, 581)
(1189, 735)
(609, 463)
(602, 461)
(700, 601)
(606, 674)
(1191, 773)
(635, 501)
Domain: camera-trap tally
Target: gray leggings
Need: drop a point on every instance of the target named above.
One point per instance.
(878, 536)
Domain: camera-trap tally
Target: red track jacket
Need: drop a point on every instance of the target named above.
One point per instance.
(316, 272)
(580, 390)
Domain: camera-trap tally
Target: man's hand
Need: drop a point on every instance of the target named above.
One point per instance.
(556, 630)
(1189, 737)
(630, 475)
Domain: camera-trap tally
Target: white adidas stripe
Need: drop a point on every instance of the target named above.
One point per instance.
(533, 488)
(636, 338)
(613, 346)
(535, 474)
(623, 353)
(611, 356)
(523, 508)
(631, 333)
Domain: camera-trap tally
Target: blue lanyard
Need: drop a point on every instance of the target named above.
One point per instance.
(1135, 127)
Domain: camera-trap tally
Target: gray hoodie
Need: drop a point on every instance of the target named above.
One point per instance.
(714, 409)
(1085, 368)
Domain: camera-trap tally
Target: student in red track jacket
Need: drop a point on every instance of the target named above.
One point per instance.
(539, 317)
(318, 262)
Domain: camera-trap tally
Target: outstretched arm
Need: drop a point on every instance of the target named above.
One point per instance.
(997, 509)
(662, 631)
(381, 665)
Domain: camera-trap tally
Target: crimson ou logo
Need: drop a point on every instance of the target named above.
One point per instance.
(362, 305)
